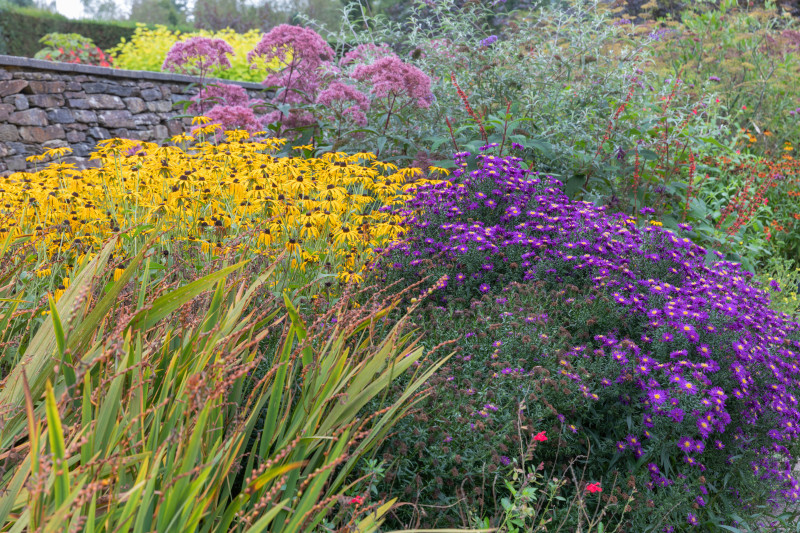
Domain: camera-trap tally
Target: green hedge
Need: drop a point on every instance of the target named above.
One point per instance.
(21, 29)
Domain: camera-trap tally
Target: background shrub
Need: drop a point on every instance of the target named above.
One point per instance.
(21, 29)
(147, 48)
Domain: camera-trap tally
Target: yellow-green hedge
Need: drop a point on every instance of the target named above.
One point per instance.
(147, 49)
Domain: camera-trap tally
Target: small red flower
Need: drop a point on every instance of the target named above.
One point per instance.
(594, 487)
(540, 437)
(357, 500)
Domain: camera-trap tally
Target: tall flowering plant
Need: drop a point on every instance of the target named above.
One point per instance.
(304, 58)
(674, 369)
(198, 56)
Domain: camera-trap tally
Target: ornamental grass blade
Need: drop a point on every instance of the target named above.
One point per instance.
(38, 360)
(55, 434)
(265, 521)
(172, 301)
(374, 520)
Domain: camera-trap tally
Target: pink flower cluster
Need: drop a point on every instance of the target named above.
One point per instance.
(366, 53)
(391, 78)
(228, 105)
(219, 94)
(307, 76)
(301, 52)
(231, 117)
(197, 56)
(336, 97)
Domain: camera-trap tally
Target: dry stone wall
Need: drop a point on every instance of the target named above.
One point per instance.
(46, 105)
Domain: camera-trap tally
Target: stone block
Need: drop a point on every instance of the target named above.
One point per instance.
(76, 126)
(175, 127)
(60, 116)
(46, 100)
(78, 103)
(160, 133)
(116, 119)
(159, 106)
(35, 134)
(99, 133)
(46, 87)
(16, 164)
(56, 143)
(140, 135)
(121, 133)
(119, 90)
(74, 94)
(105, 101)
(5, 111)
(8, 133)
(84, 115)
(20, 102)
(19, 148)
(134, 105)
(94, 87)
(5, 151)
(149, 95)
(10, 87)
(147, 119)
(74, 86)
(76, 136)
(5, 75)
(29, 117)
(82, 149)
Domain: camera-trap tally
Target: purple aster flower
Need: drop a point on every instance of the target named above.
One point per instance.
(484, 288)
(657, 396)
(686, 444)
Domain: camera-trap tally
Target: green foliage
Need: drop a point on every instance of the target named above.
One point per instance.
(168, 397)
(22, 28)
(782, 278)
(748, 56)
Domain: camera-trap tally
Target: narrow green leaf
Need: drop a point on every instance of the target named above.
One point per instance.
(170, 302)
(55, 434)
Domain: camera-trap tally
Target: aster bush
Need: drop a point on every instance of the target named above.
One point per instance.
(616, 333)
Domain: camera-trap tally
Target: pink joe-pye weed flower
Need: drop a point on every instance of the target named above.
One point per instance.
(338, 95)
(197, 56)
(220, 94)
(232, 117)
(304, 59)
(366, 53)
(391, 78)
